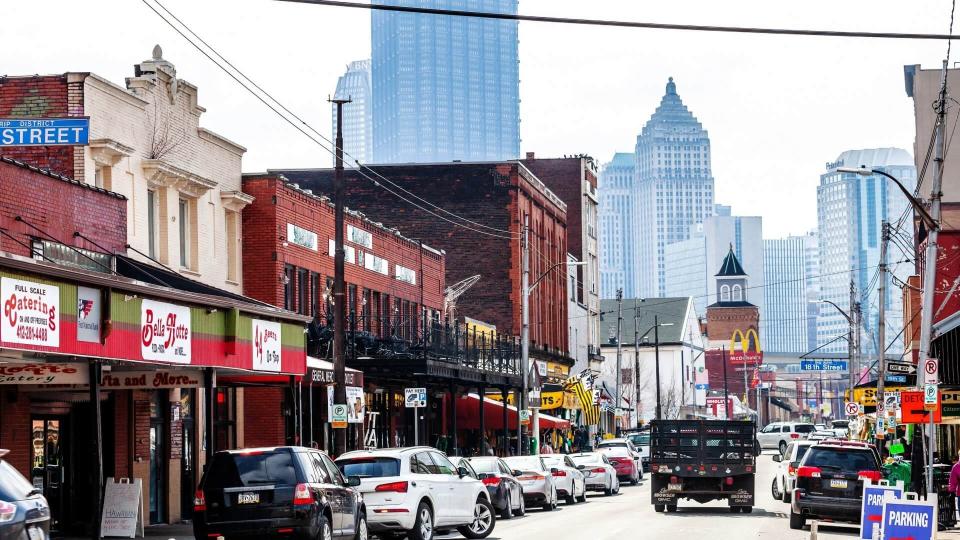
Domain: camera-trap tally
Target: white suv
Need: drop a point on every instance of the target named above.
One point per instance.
(779, 434)
(417, 491)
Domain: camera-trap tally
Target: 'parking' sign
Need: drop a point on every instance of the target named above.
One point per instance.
(904, 519)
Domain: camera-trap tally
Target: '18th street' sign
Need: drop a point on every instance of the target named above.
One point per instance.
(44, 131)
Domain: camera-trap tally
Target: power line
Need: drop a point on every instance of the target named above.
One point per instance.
(628, 24)
(291, 122)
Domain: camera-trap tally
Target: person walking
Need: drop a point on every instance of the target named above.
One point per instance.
(954, 485)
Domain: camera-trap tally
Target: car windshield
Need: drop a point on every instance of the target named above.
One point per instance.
(846, 459)
(612, 444)
(840, 424)
(369, 467)
(525, 463)
(252, 469)
(615, 451)
(804, 428)
(801, 451)
(484, 465)
(587, 459)
(553, 460)
(642, 439)
(13, 486)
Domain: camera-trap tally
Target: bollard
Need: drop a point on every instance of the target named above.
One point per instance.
(814, 525)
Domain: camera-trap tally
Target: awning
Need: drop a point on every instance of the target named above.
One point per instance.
(319, 372)
(468, 415)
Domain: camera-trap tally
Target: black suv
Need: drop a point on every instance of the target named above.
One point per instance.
(282, 492)
(24, 513)
(830, 479)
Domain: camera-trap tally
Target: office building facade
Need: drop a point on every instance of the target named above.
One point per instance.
(784, 323)
(619, 227)
(445, 88)
(357, 119)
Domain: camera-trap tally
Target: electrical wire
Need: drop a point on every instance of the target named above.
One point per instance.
(627, 24)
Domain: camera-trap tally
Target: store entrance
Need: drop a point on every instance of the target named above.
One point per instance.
(48, 463)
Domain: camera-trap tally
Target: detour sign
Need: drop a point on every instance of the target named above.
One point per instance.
(911, 408)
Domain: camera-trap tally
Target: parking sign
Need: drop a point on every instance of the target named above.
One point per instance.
(931, 369)
(415, 397)
(871, 506)
(902, 519)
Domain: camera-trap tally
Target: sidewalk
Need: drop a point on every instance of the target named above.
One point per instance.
(180, 531)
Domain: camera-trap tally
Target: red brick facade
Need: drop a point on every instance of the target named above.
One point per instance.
(496, 195)
(263, 417)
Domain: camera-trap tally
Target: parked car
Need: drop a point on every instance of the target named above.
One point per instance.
(539, 488)
(570, 482)
(821, 435)
(779, 434)
(599, 474)
(641, 440)
(840, 427)
(626, 463)
(505, 490)
(829, 483)
(24, 512)
(280, 492)
(418, 492)
(624, 443)
(783, 481)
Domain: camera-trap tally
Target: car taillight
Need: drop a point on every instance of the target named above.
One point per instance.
(530, 477)
(794, 435)
(399, 487)
(791, 470)
(302, 495)
(728, 480)
(8, 511)
(674, 480)
(874, 476)
(491, 481)
(560, 473)
(809, 472)
(199, 501)
(598, 470)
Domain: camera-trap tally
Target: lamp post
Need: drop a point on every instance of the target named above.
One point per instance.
(656, 356)
(525, 333)
(852, 352)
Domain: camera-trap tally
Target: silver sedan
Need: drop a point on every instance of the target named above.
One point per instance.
(598, 472)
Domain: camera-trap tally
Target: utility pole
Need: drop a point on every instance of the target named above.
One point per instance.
(930, 255)
(525, 329)
(616, 408)
(656, 360)
(882, 326)
(636, 359)
(726, 391)
(339, 297)
(851, 346)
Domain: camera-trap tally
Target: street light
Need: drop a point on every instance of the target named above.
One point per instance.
(851, 348)
(917, 205)
(656, 357)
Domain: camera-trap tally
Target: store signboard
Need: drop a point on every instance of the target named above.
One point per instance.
(165, 333)
(31, 313)
(72, 373)
(89, 310)
(153, 380)
(266, 345)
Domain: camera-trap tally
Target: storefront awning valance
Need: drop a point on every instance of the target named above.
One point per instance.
(468, 415)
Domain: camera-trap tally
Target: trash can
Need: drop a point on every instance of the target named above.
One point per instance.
(946, 502)
(898, 471)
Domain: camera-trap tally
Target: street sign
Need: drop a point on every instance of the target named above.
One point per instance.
(902, 519)
(338, 415)
(44, 131)
(415, 397)
(702, 386)
(871, 504)
(823, 365)
(901, 367)
(851, 408)
(895, 378)
(524, 416)
(931, 368)
(891, 401)
(912, 409)
(930, 396)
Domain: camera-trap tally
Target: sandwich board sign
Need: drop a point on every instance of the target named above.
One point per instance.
(122, 515)
(871, 504)
(908, 518)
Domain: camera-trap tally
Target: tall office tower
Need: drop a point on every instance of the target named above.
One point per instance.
(850, 209)
(445, 88)
(674, 185)
(619, 226)
(357, 120)
(811, 274)
(784, 322)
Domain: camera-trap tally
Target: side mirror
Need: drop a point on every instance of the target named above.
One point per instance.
(353, 481)
(777, 458)
(462, 471)
(554, 470)
(517, 472)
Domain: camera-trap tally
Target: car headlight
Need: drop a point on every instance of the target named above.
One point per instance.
(8, 511)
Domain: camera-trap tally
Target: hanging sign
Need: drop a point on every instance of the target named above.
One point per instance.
(31, 313)
(122, 508)
(266, 345)
(88, 314)
(73, 373)
(355, 402)
(165, 334)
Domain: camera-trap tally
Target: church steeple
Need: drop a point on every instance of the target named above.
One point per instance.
(731, 282)
(731, 265)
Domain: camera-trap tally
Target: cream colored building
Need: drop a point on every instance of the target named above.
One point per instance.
(182, 181)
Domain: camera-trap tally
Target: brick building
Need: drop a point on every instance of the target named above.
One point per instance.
(495, 197)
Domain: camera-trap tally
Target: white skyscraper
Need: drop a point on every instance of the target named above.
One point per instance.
(783, 324)
(850, 209)
(674, 184)
(619, 226)
(357, 120)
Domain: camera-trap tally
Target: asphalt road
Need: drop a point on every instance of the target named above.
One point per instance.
(630, 515)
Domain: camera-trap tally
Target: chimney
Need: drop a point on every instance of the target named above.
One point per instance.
(530, 155)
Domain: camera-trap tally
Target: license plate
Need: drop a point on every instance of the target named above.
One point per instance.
(35, 533)
(838, 483)
(248, 498)
(674, 487)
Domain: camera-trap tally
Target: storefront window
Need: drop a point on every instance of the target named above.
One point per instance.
(225, 418)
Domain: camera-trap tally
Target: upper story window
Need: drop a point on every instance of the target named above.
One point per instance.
(724, 293)
(737, 293)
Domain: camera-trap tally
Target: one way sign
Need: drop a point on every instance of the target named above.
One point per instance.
(901, 367)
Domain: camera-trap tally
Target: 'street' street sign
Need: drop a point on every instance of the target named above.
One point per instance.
(823, 365)
(44, 131)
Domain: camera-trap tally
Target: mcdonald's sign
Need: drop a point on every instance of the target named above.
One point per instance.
(749, 353)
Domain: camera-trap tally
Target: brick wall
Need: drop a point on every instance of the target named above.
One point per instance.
(15, 430)
(121, 438)
(562, 176)
(37, 97)
(723, 322)
(263, 417)
(491, 194)
(32, 195)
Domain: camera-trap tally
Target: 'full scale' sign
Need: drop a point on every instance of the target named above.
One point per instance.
(44, 131)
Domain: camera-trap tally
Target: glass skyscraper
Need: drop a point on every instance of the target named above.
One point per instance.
(850, 209)
(445, 88)
(618, 225)
(357, 121)
(674, 185)
(783, 324)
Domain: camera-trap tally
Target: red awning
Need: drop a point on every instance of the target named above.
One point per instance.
(468, 415)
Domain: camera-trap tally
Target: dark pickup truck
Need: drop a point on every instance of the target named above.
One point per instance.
(702, 460)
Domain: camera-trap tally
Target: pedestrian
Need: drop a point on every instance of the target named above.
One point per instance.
(954, 485)
(485, 447)
(546, 448)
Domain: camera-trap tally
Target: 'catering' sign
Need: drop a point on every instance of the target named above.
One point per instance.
(165, 332)
(266, 345)
(31, 313)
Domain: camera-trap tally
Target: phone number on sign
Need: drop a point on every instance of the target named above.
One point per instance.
(32, 333)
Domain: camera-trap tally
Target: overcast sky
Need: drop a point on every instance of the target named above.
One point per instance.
(777, 108)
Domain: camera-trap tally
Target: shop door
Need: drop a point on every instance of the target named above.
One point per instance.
(158, 460)
(49, 471)
(188, 479)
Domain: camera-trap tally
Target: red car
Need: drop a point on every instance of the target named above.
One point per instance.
(624, 462)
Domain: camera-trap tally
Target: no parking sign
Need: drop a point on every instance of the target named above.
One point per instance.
(871, 507)
(909, 519)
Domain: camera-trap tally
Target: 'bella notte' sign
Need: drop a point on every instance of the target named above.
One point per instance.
(31, 313)
(165, 332)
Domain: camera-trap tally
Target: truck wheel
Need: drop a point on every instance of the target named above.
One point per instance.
(797, 521)
(734, 509)
(671, 508)
(658, 508)
(746, 509)
(787, 497)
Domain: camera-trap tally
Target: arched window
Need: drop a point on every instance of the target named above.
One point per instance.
(724, 293)
(737, 293)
